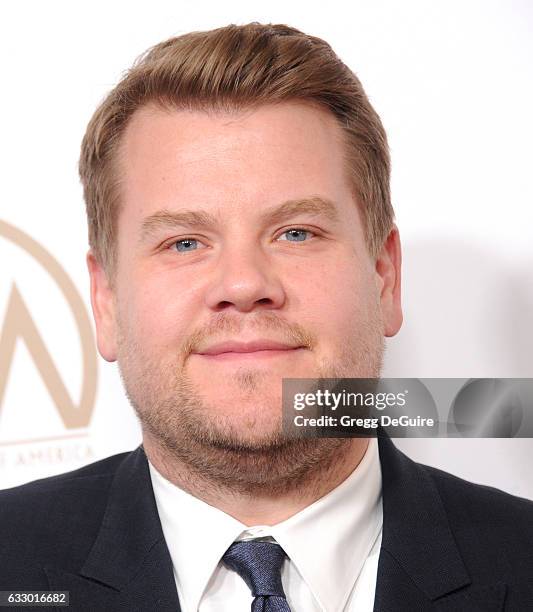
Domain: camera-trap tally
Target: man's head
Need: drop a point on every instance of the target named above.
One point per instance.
(237, 188)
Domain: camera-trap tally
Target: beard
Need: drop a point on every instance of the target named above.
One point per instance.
(250, 454)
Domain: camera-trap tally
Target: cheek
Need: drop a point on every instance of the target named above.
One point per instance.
(332, 296)
(159, 313)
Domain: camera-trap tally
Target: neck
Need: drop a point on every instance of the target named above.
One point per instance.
(266, 506)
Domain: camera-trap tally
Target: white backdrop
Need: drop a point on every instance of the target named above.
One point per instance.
(453, 84)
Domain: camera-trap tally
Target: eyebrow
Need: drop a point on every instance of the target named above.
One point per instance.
(163, 219)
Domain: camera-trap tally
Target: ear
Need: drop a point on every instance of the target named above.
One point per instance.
(103, 305)
(388, 277)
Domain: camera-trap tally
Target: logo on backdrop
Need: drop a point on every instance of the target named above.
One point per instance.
(18, 326)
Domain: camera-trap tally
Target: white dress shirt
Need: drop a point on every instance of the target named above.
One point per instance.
(332, 546)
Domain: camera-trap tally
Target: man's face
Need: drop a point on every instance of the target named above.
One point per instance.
(238, 234)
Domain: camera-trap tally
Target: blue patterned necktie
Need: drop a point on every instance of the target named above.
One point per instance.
(259, 565)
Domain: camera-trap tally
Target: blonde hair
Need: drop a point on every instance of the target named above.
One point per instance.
(231, 68)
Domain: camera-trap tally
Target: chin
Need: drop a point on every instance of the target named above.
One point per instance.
(255, 421)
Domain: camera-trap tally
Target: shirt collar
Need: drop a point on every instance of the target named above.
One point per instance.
(196, 534)
(339, 529)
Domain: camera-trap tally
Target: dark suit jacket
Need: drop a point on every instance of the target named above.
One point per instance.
(448, 545)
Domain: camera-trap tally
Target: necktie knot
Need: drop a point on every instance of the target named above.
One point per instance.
(259, 565)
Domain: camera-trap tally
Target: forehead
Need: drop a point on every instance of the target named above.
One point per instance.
(234, 161)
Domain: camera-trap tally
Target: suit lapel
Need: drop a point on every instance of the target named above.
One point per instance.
(129, 566)
(420, 567)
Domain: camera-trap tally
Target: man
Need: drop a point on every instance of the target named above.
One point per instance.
(241, 232)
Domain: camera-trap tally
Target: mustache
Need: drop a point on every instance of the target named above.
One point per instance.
(224, 326)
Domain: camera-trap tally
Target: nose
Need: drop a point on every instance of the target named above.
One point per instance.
(245, 280)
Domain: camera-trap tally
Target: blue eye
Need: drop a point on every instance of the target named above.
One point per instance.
(186, 244)
(296, 235)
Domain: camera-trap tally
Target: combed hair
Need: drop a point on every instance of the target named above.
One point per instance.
(228, 69)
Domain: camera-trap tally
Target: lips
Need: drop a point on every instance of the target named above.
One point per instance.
(247, 347)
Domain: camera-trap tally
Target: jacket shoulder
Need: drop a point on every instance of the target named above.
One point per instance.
(487, 522)
(39, 491)
(53, 519)
(473, 494)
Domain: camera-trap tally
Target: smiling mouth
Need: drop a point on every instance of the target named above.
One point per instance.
(252, 348)
(251, 355)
